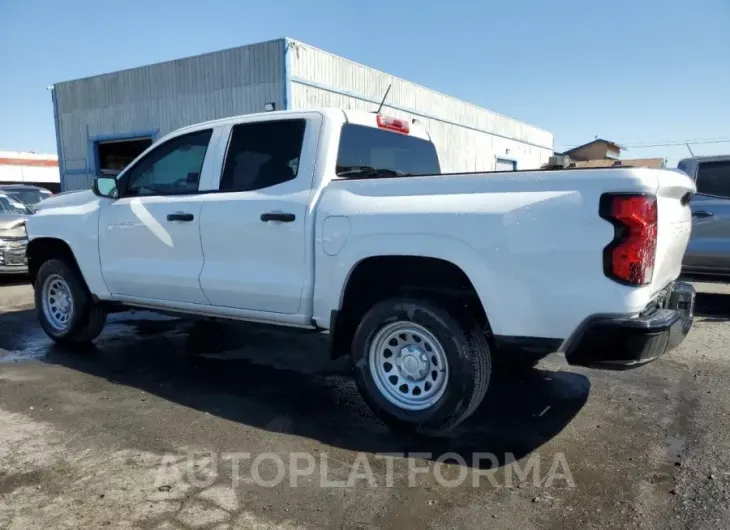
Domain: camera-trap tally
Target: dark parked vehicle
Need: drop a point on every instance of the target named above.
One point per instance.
(28, 195)
(708, 251)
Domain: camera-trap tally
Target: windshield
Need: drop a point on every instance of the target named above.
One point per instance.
(29, 197)
(11, 206)
(367, 151)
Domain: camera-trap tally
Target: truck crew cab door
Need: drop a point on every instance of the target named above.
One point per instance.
(149, 238)
(709, 246)
(257, 230)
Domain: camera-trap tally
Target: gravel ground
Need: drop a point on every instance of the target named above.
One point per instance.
(172, 424)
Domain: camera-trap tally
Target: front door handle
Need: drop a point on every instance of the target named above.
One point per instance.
(278, 216)
(702, 213)
(180, 216)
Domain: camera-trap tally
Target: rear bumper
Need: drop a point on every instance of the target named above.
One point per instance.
(625, 342)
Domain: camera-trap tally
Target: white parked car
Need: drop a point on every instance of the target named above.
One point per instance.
(31, 196)
(340, 221)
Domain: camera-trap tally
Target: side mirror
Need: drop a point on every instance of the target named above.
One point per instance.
(105, 187)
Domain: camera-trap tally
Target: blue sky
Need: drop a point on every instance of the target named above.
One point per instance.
(632, 71)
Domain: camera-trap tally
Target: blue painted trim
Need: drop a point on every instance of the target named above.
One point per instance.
(415, 112)
(286, 71)
(92, 157)
(92, 161)
(126, 135)
(59, 150)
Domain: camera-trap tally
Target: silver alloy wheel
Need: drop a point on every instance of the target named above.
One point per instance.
(57, 302)
(408, 365)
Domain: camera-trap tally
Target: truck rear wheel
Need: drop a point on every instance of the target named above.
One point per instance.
(64, 306)
(419, 368)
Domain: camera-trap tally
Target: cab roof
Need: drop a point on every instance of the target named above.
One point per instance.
(359, 117)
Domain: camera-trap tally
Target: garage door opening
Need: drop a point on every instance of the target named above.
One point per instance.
(115, 155)
(505, 164)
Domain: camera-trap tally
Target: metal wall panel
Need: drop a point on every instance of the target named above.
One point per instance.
(459, 148)
(468, 138)
(160, 98)
(77, 182)
(157, 99)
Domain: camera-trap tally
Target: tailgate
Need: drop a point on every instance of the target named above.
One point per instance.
(675, 223)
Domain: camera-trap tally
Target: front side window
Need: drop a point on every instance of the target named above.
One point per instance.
(262, 154)
(713, 178)
(172, 168)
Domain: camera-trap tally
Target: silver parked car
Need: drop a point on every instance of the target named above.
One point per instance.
(28, 195)
(708, 251)
(13, 238)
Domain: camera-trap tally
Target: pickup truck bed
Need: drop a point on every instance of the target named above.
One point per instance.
(341, 221)
(525, 251)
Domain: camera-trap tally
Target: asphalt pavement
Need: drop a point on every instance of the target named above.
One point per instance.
(168, 423)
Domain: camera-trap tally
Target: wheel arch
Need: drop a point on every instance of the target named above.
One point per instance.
(42, 249)
(376, 277)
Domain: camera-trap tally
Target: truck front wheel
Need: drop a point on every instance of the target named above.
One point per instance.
(64, 306)
(420, 368)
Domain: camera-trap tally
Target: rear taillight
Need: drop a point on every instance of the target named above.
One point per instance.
(629, 258)
(393, 124)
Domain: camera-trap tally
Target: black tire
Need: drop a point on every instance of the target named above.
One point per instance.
(468, 356)
(87, 319)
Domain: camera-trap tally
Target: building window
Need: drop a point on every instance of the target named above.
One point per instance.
(505, 164)
(114, 155)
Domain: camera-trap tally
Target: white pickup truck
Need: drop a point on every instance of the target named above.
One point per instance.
(340, 221)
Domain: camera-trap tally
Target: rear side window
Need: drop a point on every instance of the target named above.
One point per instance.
(362, 146)
(262, 154)
(713, 178)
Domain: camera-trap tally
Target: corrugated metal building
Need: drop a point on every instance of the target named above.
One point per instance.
(102, 121)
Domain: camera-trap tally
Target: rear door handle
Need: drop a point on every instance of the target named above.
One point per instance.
(278, 216)
(180, 216)
(702, 213)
